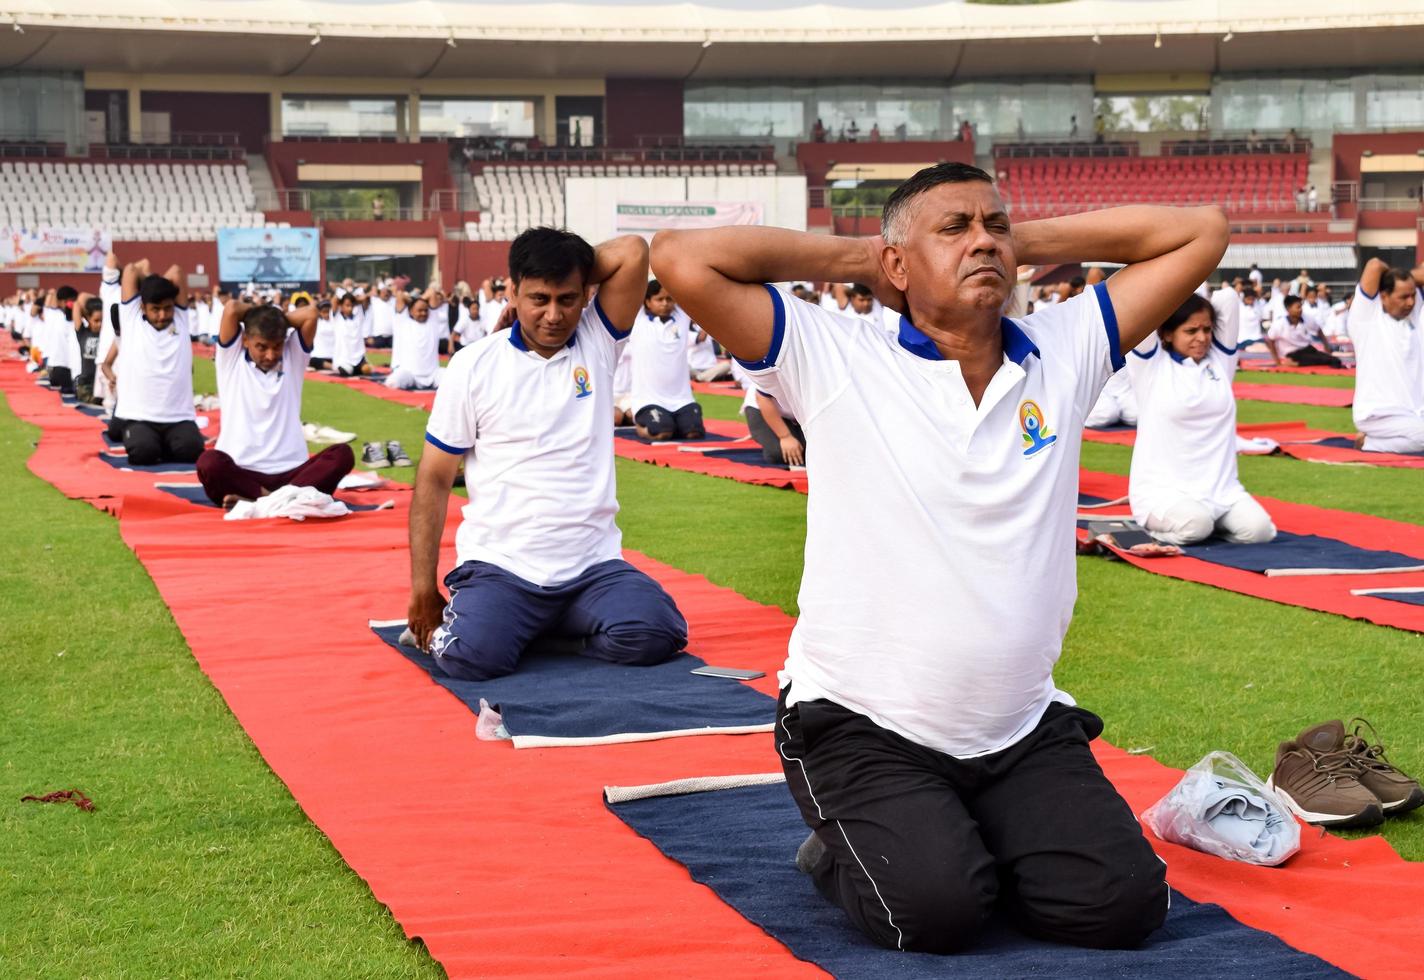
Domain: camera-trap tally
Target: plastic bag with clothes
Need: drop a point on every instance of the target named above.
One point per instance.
(1222, 808)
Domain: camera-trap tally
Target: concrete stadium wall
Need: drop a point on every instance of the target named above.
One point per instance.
(635, 107)
(590, 202)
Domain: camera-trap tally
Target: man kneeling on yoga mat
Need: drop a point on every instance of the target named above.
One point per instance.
(260, 446)
(942, 772)
(526, 409)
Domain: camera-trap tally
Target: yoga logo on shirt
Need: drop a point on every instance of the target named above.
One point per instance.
(581, 385)
(1035, 433)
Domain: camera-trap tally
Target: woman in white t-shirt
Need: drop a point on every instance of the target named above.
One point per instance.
(1183, 485)
(324, 347)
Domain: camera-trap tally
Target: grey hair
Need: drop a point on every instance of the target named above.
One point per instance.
(900, 209)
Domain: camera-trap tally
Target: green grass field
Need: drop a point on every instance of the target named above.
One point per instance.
(197, 860)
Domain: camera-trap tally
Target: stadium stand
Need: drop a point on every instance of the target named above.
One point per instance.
(134, 201)
(1260, 183)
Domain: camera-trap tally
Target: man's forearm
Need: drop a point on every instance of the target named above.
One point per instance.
(1130, 234)
(427, 521)
(755, 254)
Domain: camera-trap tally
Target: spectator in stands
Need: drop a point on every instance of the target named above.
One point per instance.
(1183, 485)
(1073, 127)
(1300, 198)
(875, 132)
(1312, 199)
(1253, 142)
(260, 447)
(538, 551)
(1100, 128)
(663, 406)
(350, 317)
(1291, 140)
(378, 208)
(853, 132)
(1385, 322)
(902, 132)
(150, 367)
(966, 131)
(818, 131)
(1295, 341)
(415, 343)
(324, 347)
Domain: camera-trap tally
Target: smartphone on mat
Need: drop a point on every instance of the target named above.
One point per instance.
(735, 673)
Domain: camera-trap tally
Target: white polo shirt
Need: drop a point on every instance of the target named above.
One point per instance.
(111, 294)
(1250, 322)
(383, 316)
(939, 576)
(1186, 425)
(154, 367)
(262, 410)
(490, 312)
(1389, 361)
(659, 352)
(349, 342)
(1292, 336)
(415, 347)
(324, 345)
(538, 450)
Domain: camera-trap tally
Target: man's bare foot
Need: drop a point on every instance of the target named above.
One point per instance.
(1359, 440)
(231, 501)
(1154, 550)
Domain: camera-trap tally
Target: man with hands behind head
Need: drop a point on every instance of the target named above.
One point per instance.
(940, 769)
(261, 360)
(526, 410)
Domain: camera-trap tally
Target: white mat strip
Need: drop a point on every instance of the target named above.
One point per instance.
(556, 742)
(693, 784)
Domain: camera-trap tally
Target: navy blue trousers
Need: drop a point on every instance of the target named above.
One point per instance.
(619, 613)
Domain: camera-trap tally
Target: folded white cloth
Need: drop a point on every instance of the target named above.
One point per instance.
(297, 503)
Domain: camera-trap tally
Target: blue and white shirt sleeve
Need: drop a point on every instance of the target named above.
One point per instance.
(451, 427)
(807, 364)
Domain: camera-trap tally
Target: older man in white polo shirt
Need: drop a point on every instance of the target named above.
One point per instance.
(527, 411)
(1385, 321)
(940, 768)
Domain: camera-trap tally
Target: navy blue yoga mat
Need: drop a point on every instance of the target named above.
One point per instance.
(93, 411)
(1413, 598)
(195, 494)
(747, 457)
(1292, 551)
(1344, 442)
(568, 696)
(631, 434)
(741, 843)
(122, 463)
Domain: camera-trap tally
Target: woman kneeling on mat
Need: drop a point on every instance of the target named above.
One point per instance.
(1183, 485)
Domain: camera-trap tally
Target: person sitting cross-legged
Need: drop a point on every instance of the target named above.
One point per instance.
(943, 774)
(150, 367)
(526, 410)
(261, 447)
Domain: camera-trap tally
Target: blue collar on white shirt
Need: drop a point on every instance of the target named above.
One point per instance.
(652, 316)
(517, 338)
(1016, 343)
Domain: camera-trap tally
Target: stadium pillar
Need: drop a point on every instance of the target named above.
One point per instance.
(274, 114)
(135, 114)
(412, 117)
(550, 135)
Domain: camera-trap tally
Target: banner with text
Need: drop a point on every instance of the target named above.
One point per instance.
(649, 219)
(284, 258)
(53, 249)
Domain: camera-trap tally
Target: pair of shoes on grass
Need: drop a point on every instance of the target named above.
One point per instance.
(1338, 779)
(378, 455)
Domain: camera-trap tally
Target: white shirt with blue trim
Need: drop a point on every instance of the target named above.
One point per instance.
(658, 351)
(537, 438)
(154, 368)
(1186, 422)
(1389, 361)
(262, 410)
(415, 347)
(939, 577)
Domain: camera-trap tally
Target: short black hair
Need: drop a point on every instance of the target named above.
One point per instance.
(860, 289)
(66, 294)
(157, 289)
(1291, 300)
(1077, 282)
(892, 219)
(1392, 277)
(654, 287)
(93, 305)
(1190, 307)
(266, 322)
(549, 254)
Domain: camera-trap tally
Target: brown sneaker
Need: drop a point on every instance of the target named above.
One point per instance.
(1320, 780)
(1397, 792)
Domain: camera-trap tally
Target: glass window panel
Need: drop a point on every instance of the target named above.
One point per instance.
(477, 117)
(303, 116)
(1177, 112)
(1394, 101)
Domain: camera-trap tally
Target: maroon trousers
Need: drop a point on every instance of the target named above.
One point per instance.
(220, 476)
